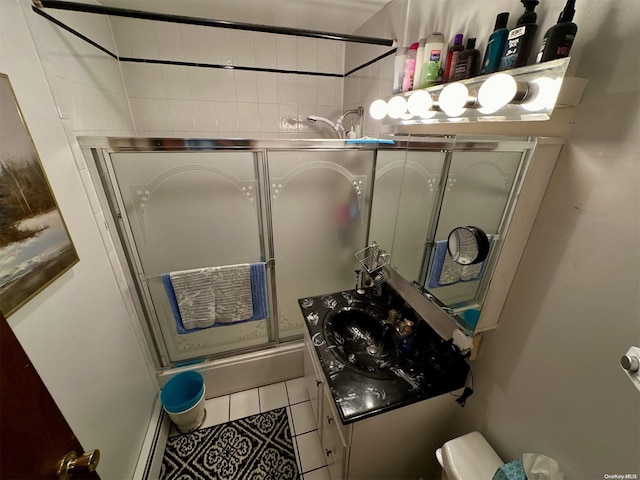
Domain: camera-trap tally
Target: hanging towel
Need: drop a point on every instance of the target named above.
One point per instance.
(259, 291)
(258, 304)
(196, 296)
(232, 287)
(173, 303)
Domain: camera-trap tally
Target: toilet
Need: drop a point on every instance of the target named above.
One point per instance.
(469, 457)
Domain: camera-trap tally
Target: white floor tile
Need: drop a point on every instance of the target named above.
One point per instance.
(311, 454)
(244, 404)
(297, 390)
(303, 419)
(320, 474)
(273, 396)
(217, 411)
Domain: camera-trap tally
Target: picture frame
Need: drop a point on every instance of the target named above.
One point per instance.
(35, 245)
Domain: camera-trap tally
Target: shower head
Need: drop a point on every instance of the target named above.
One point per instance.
(336, 126)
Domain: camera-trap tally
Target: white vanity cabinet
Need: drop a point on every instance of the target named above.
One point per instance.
(395, 444)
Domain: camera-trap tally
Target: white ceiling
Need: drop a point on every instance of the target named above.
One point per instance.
(335, 16)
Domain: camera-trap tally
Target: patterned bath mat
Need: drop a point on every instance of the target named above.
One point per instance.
(252, 448)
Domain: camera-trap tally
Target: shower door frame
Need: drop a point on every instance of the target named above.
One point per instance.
(97, 151)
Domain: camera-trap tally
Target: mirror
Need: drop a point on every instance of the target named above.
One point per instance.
(441, 210)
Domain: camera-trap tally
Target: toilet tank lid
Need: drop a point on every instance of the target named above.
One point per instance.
(470, 457)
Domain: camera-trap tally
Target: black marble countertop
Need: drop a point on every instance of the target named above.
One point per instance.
(424, 367)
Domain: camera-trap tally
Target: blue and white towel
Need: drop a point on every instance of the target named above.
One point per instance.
(445, 271)
(217, 296)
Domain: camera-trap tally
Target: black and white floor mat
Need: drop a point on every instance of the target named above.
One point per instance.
(252, 448)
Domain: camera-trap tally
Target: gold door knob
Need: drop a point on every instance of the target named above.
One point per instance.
(71, 463)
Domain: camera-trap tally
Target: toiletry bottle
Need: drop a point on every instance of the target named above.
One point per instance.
(419, 62)
(409, 68)
(452, 57)
(398, 68)
(495, 46)
(432, 71)
(520, 38)
(558, 40)
(468, 64)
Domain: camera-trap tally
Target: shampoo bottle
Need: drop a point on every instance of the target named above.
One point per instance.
(419, 61)
(409, 68)
(452, 57)
(398, 68)
(433, 55)
(520, 38)
(558, 40)
(495, 46)
(468, 64)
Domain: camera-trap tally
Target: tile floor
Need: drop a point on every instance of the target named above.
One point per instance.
(291, 394)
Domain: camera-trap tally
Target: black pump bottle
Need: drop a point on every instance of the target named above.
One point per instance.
(520, 39)
(558, 40)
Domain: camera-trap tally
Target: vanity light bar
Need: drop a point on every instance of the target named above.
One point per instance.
(527, 93)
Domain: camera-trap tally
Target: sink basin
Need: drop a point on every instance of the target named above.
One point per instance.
(358, 338)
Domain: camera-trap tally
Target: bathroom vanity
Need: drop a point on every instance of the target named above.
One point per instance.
(378, 392)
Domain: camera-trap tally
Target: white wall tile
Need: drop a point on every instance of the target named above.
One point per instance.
(286, 52)
(265, 49)
(307, 52)
(138, 113)
(287, 88)
(121, 27)
(204, 116)
(151, 81)
(269, 117)
(243, 51)
(327, 90)
(267, 86)
(248, 117)
(181, 114)
(288, 117)
(176, 81)
(169, 41)
(217, 42)
(157, 115)
(142, 40)
(328, 57)
(224, 87)
(194, 44)
(307, 90)
(227, 115)
(246, 86)
(200, 83)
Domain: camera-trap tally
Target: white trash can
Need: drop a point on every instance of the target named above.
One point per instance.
(183, 399)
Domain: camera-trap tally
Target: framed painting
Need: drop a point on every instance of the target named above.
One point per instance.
(35, 246)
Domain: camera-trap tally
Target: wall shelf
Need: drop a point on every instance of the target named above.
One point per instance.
(521, 94)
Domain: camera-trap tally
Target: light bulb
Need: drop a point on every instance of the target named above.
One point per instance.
(378, 109)
(453, 98)
(397, 107)
(496, 92)
(545, 97)
(419, 103)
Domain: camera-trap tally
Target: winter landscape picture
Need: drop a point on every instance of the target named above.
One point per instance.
(35, 247)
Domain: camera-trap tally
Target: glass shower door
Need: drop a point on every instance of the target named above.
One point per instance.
(188, 210)
(320, 204)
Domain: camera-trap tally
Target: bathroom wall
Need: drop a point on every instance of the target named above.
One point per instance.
(78, 331)
(548, 379)
(211, 102)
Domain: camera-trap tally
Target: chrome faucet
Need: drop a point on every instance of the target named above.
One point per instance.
(337, 125)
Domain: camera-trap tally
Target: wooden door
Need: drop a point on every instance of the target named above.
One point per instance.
(34, 436)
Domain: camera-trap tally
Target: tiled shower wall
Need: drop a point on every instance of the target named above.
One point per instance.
(212, 102)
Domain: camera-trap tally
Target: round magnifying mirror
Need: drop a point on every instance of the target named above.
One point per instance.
(468, 245)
